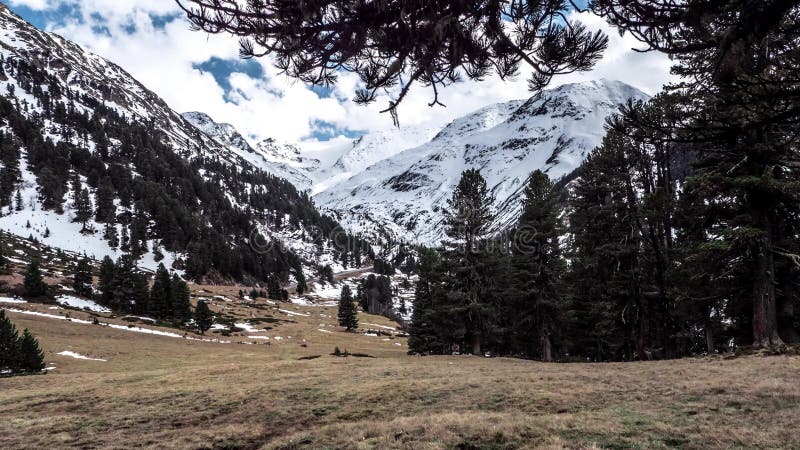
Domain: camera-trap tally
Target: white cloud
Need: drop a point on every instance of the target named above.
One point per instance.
(37, 5)
(164, 60)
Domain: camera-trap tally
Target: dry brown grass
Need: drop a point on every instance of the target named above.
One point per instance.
(160, 392)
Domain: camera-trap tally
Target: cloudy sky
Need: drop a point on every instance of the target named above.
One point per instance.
(194, 71)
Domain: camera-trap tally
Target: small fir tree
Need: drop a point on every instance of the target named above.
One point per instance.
(35, 286)
(31, 357)
(82, 282)
(348, 314)
(83, 208)
(203, 317)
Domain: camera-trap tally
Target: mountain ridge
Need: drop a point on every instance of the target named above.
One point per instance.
(367, 184)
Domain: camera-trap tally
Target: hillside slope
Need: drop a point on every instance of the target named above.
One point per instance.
(79, 133)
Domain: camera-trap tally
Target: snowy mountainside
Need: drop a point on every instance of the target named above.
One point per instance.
(309, 169)
(280, 159)
(72, 122)
(403, 196)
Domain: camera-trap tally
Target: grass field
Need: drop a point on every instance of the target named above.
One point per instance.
(169, 392)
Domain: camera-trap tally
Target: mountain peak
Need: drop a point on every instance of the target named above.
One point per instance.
(403, 195)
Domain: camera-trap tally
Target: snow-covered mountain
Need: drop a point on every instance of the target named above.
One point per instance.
(393, 184)
(403, 194)
(194, 193)
(280, 159)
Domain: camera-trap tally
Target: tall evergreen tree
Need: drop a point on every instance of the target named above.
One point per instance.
(106, 282)
(536, 269)
(18, 354)
(138, 232)
(181, 305)
(161, 295)
(348, 314)
(10, 172)
(469, 260)
(425, 336)
(129, 289)
(110, 232)
(602, 253)
(327, 274)
(273, 288)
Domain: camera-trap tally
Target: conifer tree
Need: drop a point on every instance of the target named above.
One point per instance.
(141, 293)
(424, 333)
(10, 173)
(536, 268)
(302, 287)
(327, 274)
(161, 294)
(129, 287)
(469, 261)
(82, 280)
(83, 207)
(104, 199)
(18, 200)
(348, 314)
(110, 232)
(106, 283)
(203, 317)
(18, 354)
(138, 233)
(31, 357)
(35, 286)
(181, 305)
(124, 241)
(9, 344)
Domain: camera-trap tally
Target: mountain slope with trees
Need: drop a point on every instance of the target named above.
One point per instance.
(93, 161)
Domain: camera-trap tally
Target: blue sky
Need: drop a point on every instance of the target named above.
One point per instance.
(193, 71)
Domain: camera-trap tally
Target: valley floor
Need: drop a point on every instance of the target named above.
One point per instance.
(152, 391)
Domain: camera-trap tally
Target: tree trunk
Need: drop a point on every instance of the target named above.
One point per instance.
(476, 345)
(765, 329)
(709, 338)
(547, 355)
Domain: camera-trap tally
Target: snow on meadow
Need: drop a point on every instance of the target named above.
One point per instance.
(292, 313)
(11, 300)
(75, 302)
(78, 356)
(130, 328)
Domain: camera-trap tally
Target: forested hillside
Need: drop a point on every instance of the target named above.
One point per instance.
(84, 143)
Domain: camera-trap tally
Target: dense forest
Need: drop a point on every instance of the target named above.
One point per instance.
(654, 253)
